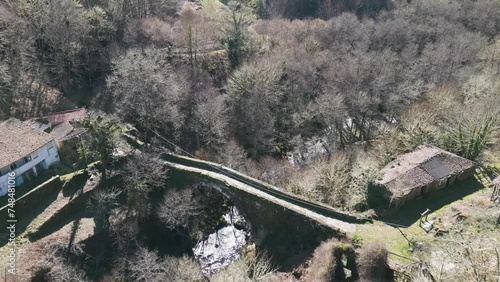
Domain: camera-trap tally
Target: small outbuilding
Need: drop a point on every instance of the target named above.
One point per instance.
(68, 138)
(426, 169)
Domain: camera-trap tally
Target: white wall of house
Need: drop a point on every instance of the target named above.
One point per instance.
(46, 156)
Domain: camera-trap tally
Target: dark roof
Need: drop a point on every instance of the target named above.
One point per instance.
(436, 168)
(420, 168)
(18, 139)
(37, 124)
(66, 131)
(69, 115)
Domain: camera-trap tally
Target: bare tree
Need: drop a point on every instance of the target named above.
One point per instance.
(22, 76)
(149, 31)
(101, 203)
(146, 168)
(143, 173)
(326, 264)
(147, 91)
(257, 268)
(71, 42)
(334, 180)
(232, 155)
(178, 208)
(188, 270)
(373, 263)
(330, 110)
(260, 267)
(254, 93)
(146, 265)
(124, 10)
(57, 265)
(211, 121)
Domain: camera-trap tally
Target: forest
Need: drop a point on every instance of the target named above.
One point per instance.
(314, 97)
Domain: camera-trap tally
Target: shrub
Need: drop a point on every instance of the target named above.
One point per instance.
(372, 263)
(59, 264)
(334, 180)
(149, 31)
(258, 268)
(470, 136)
(236, 271)
(326, 263)
(178, 208)
(147, 265)
(338, 182)
(188, 270)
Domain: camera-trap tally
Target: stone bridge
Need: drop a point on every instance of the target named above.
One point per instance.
(267, 207)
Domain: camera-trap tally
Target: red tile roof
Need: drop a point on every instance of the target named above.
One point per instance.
(69, 115)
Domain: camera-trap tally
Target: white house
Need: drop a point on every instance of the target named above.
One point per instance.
(25, 151)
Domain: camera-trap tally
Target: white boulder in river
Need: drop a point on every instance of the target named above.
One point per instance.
(224, 246)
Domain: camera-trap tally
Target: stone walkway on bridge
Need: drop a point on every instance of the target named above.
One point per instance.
(340, 226)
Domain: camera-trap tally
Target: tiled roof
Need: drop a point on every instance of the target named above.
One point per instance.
(18, 139)
(69, 115)
(66, 131)
(404, 185)
(421, 167)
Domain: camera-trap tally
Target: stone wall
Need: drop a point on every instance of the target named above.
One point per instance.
(282, 233)
(265, 187)
(434, 186)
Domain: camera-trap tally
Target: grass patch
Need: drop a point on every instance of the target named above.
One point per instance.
(467, 194)
(391, 237)
(67, 177)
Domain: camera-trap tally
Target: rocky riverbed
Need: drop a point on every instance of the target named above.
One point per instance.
(224, 246)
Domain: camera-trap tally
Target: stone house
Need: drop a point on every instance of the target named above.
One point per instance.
(426, 169)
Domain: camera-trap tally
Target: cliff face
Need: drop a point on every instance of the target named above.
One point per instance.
(298, 9)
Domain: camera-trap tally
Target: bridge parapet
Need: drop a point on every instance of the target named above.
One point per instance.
(264, 187)
(265, 206)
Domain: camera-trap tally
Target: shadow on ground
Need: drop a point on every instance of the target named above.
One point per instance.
(409, 213)
(77, 208)
(29, 214)
(75, 186)
(27, 187)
